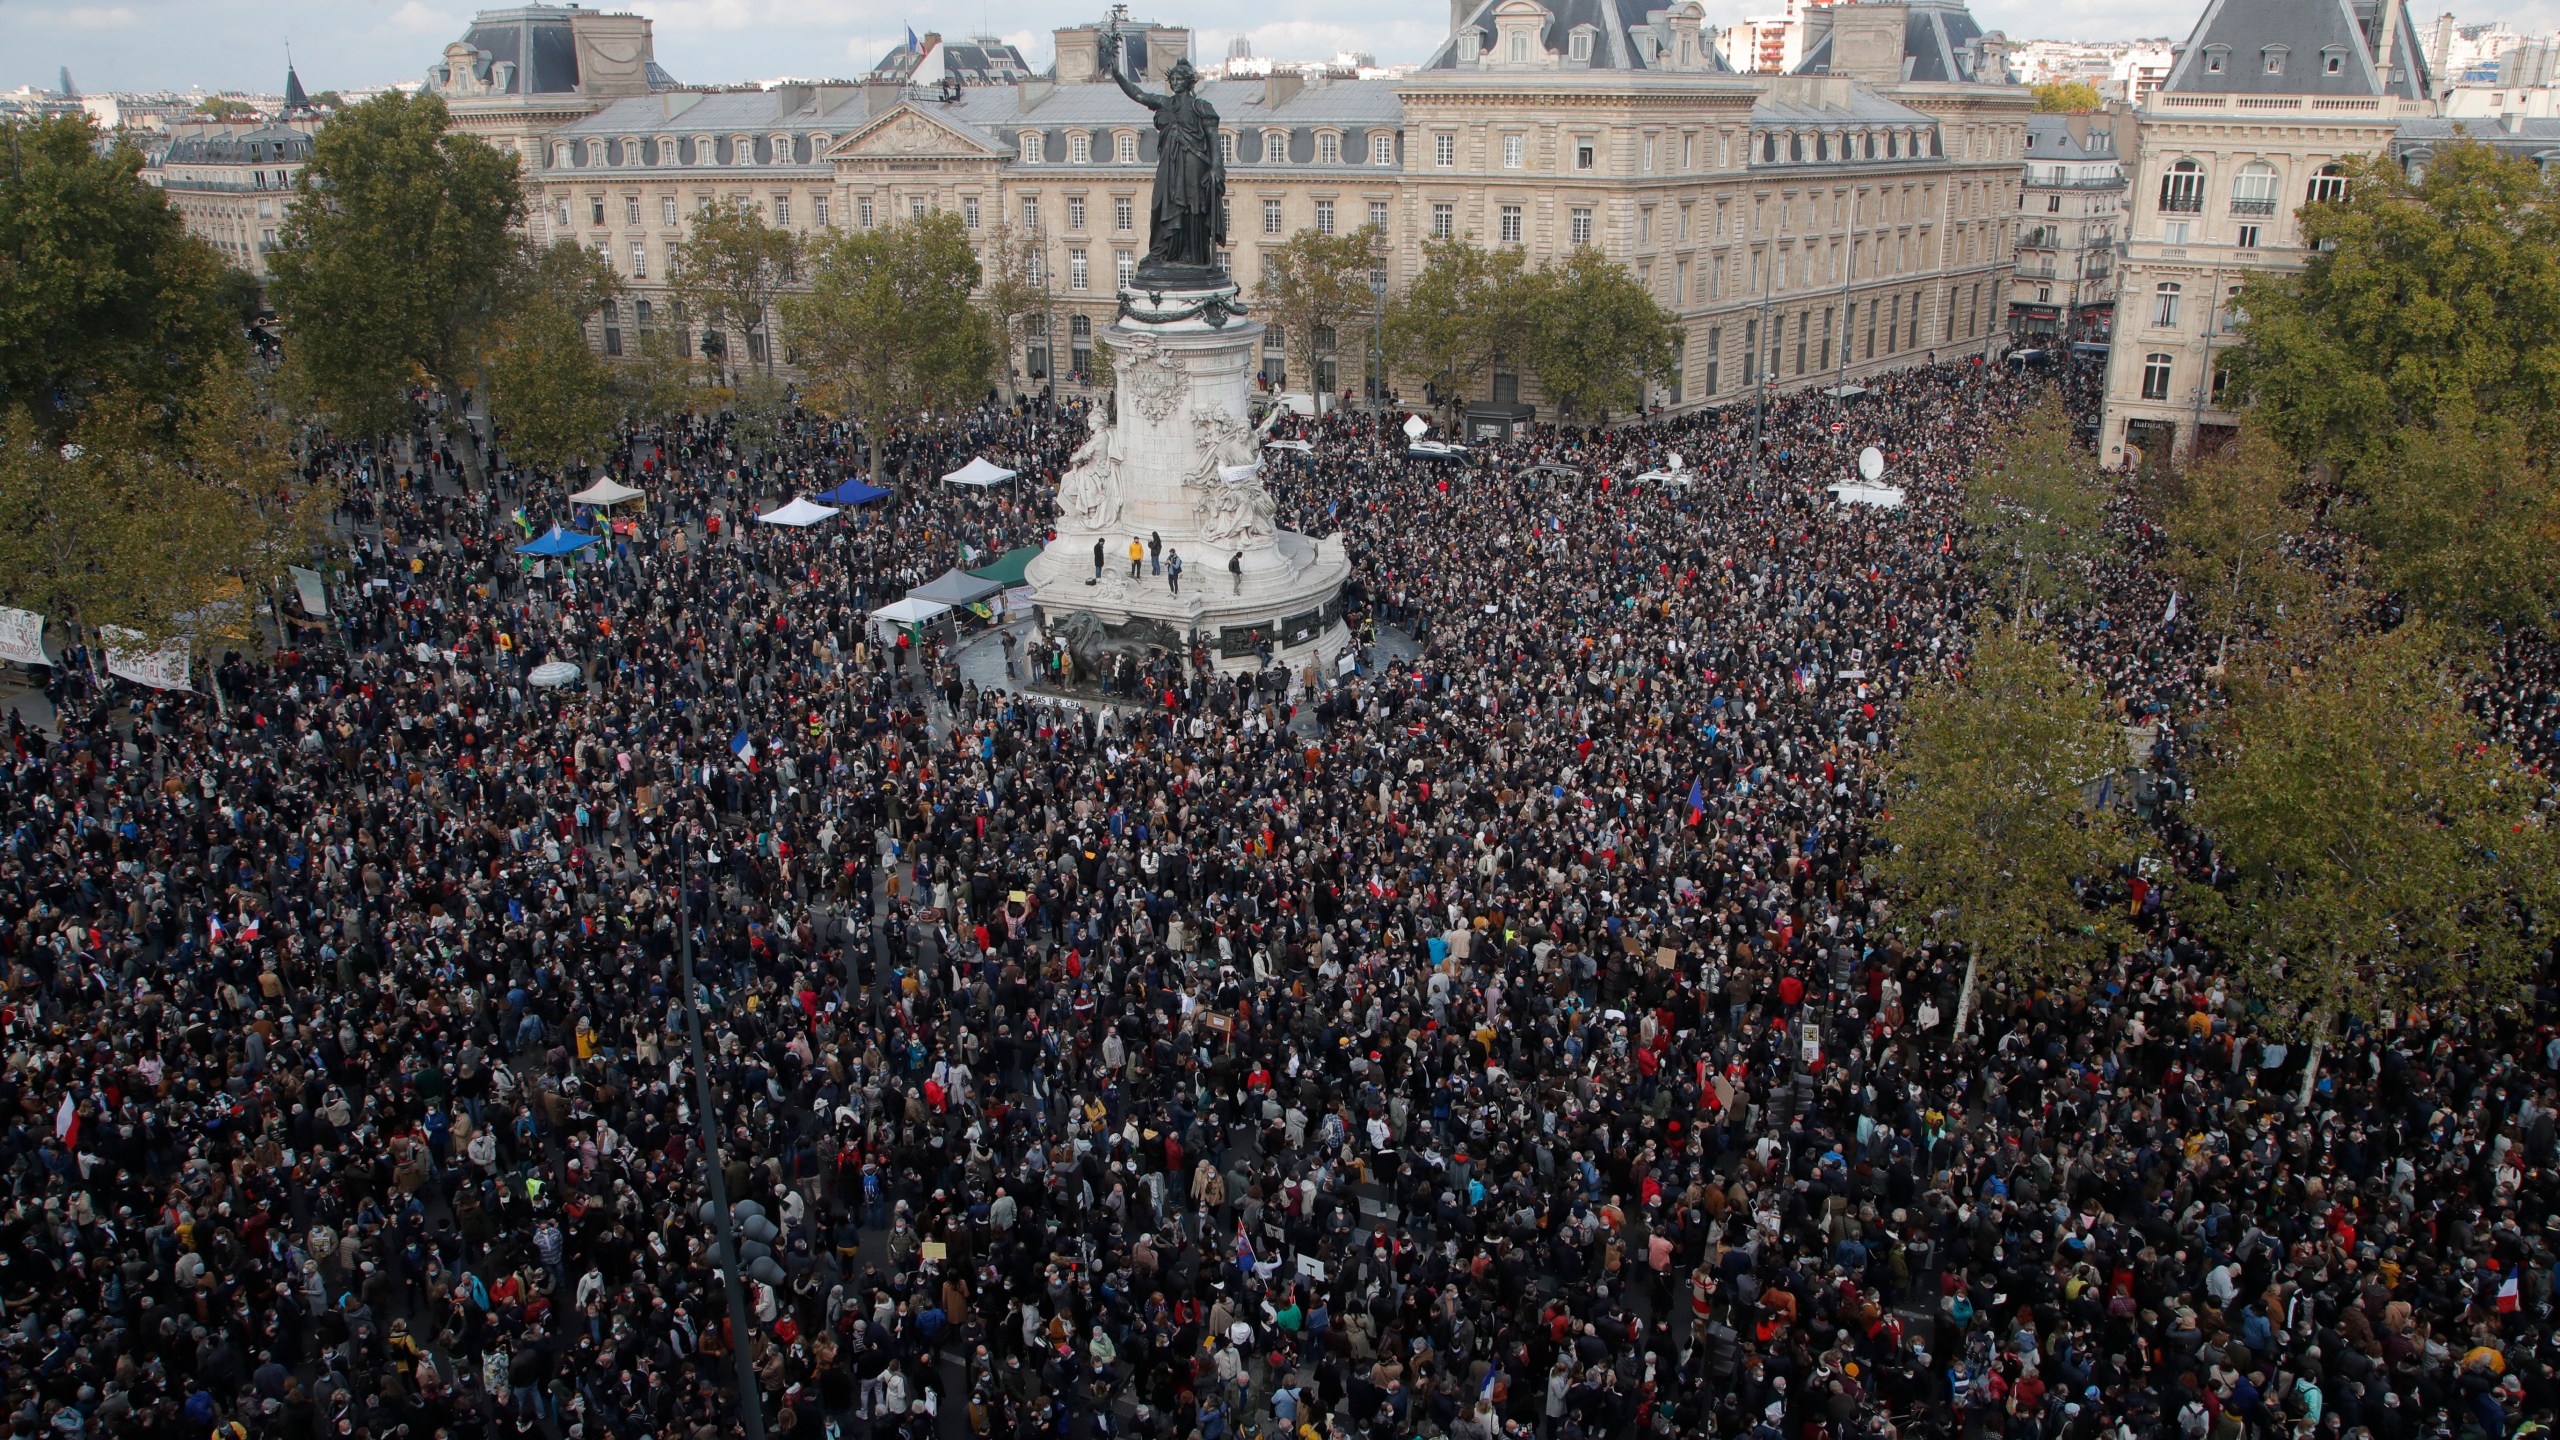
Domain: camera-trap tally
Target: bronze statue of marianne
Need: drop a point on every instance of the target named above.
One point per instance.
(1189, 219)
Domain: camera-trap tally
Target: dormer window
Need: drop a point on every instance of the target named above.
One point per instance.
(1519, 49)
(1578, 45)
(1030, 147)
(2333, 61)
(1124, 147)
(742, 150)
(1470, 47)
(2272, 59)
(631, 151)
(1328, 148)
(781, 149)
(1079, 149)
(666, 150)
(2215, 58)
(1275, 147)
(560, 157)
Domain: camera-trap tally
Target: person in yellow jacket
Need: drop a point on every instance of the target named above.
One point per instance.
(1137, 557)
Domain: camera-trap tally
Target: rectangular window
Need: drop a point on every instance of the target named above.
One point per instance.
(1648, 153)
(1444, 220)
(818, 209)
(1892, 320)
(1715, 347)
(1031, 144)
(1644, 226)
(2164, 305)
(781, 209)
(1075, 212)
(1079, 150)
(563, 208)
(1076, 270)
(1227, 146)
(1030, 212)
(915, 207)
(1511, 224)
(2174, 232)
(1125, 146)
(1515, 151)
(1800, 344)
(968, 211)
(1750, 352)
(1382, 148)
(639, 260)
(595, 209)
(1328, 149)
(1580, 226)
(1378, 215)
(1911, 327)
(1324, 217)
(1444, 150)
(2248, 237)
(1037, 272)
(1270, 217)
(2155, 377)
(1125, 265)
(667, 210)
(1121, 212)
(1825, 362)
(1872, 308)
(1586, 154)
(630, 209)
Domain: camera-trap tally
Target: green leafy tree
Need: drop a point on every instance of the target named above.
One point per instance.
(1465, 311)
(394, 261)
(552, 397)
(1314, 286)
(224, 109)
(2432, 300)
(2226, 524)
(1991, 820)
(2386, 859)
(101, 287)
(731, 269)
(1595, 336)
(2462, 522)
(657, 377)
(154, 512)
(2066, 97)
(888, 328)
(2037, 512)
(1012, 287)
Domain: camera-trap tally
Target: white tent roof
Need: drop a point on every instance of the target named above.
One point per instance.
(909, 611)
(798, 512)
(1885, 497)
(979, 471)
(607, 491)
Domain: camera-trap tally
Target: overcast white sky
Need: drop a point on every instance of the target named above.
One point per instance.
(227, 44)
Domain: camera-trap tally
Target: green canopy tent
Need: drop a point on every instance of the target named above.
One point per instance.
(1008, 568)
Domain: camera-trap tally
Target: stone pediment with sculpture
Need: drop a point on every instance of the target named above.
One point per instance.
(907, 133)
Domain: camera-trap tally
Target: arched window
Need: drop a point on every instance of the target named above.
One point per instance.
(2253, 190)
(1328, 148)
(1519, 49)
(1893, 144)
(1768, 147)
(1079, 149)
(2328, 187)
(1795, 147)
(2155, 376)
(2182, 189)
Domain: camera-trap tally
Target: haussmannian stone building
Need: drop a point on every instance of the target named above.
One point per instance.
(2266, 101)
(1807, 228)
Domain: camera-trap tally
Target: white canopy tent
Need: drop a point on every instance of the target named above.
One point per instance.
(979, 472)
(798, 513)
(1883, 497)
(910, 611)
(607, 491)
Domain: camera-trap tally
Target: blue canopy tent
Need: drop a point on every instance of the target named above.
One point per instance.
(852, 492)
(556, 541)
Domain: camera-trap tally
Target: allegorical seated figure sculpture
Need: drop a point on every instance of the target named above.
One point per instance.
(1188, 222)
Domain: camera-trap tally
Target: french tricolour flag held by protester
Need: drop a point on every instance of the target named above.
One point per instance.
(1697, 801)
(66, 1124)
(742, 747)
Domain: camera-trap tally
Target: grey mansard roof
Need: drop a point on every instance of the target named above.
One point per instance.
(1631, 36)
(1940, 40)
(2230, 51)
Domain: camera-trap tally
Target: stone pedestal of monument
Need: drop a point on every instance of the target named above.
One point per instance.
(1182, 459)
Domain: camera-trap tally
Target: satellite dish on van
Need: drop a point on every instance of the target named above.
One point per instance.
(1674, 458)
(1871, 462)
(1415, 427)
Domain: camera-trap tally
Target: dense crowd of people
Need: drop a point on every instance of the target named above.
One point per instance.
(1503, 1038)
